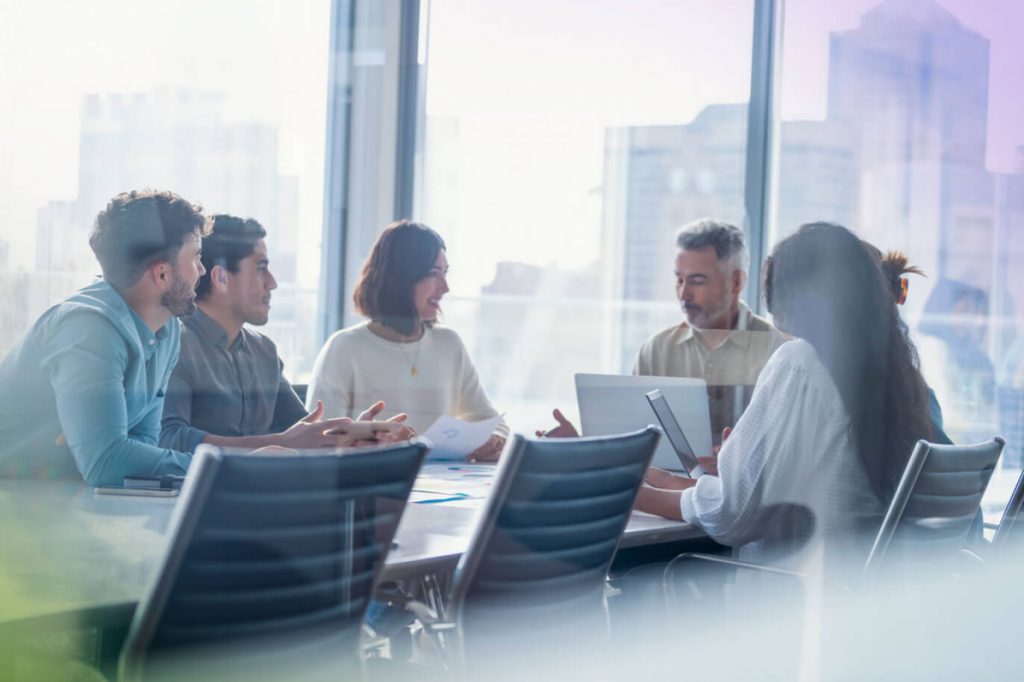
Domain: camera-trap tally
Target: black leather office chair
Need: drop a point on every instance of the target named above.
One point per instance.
(935, 503)
(927, 522)
(270, 566)
(535, 571)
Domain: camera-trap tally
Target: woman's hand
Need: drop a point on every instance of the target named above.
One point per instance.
(489, 451)
(710, 464)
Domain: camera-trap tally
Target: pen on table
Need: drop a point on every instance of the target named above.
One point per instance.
(448, 497)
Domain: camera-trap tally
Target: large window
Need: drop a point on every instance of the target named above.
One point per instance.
(563, 145)
(223, 102)
(901, 119)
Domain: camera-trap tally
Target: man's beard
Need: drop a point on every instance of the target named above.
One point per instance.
(181, 299)
(703, 317)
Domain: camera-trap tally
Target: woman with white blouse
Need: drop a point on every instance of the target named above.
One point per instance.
(401, 355)
(813, 462)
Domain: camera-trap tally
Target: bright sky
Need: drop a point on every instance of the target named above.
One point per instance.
(269, 57)
(532, 100)
(534, 84)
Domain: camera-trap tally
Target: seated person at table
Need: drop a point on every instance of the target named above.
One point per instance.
(894, 266)
(82, 393)
(228, 387)
(816, 457)
(401, 355)
(721, 340)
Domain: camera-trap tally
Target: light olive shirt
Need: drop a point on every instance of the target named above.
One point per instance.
(730, 370)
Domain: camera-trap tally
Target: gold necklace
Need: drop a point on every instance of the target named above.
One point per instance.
(415, 359)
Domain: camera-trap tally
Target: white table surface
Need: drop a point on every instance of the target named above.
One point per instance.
(64, 548)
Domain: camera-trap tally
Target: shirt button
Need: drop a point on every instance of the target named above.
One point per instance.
(152, 342)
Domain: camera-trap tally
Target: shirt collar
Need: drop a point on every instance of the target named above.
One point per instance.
(208, 328)
(742, 325)
(148, 339)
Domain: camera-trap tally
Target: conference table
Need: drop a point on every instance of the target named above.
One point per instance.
(67, 552)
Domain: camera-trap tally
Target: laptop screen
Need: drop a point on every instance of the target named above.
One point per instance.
(673, 431)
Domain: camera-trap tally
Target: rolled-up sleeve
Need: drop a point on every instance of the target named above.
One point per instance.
(86, 366)
(756, 466)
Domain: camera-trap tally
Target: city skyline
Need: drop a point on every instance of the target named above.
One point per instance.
(523, 186)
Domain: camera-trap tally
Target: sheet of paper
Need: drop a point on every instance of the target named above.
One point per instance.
(449, 483)
(454, 438)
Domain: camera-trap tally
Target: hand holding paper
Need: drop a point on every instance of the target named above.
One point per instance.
(455, 439)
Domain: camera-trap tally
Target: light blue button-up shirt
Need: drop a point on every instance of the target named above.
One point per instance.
(82, 393)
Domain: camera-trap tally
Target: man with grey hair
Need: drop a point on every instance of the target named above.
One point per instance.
(721, 340)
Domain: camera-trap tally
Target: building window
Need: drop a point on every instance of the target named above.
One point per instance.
(559, 170)
(900, 120)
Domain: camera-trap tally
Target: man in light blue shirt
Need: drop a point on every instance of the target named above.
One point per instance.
(81, 395)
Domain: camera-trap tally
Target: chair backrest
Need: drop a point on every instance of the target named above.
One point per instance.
(1007, 525)
(936, 501)
(551, 527)
(267, 552)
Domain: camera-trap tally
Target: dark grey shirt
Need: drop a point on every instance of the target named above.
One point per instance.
(226, 390)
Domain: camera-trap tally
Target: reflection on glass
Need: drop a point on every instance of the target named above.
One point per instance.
(906, 133)
(559, 171)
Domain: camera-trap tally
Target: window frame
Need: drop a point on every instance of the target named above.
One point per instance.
(385, 192)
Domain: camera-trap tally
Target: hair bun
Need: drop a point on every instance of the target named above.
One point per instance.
(896, 265)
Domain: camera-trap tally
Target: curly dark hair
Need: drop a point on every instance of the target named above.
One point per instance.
(139, 228)
(825, 286)
(403, 254)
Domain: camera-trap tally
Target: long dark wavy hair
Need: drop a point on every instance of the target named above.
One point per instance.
(823, 285)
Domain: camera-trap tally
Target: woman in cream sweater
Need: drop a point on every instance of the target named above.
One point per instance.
(400, 355)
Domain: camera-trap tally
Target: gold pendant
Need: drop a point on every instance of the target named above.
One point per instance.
(414, 371)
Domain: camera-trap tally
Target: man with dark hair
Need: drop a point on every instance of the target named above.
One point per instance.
(229, 388)
(721, 340)
(84, 389)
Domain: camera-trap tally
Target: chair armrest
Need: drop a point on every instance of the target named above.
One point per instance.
(742, 565)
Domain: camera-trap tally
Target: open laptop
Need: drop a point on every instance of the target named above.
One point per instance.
(613, 403)
(670, 425)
